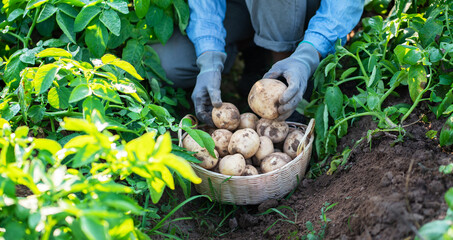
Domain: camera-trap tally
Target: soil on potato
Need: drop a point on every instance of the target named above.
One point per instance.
(385, 191)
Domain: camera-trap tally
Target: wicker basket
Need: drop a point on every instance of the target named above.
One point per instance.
(250, 190)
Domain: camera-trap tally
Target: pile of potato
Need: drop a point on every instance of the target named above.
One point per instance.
(244, 144)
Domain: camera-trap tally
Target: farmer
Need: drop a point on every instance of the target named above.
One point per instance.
(297, 35)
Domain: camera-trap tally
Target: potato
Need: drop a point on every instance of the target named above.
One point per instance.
(263, 97)
(221, 139)
(248, 120)
(266, 148)
(244, 141)
(274, 161)
(208, 161)
(292, 141)
(250, 170)
(226, 116)
(189, 143)
(275, 130)
(232, 165)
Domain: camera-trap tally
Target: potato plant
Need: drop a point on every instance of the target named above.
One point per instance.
(411, 49)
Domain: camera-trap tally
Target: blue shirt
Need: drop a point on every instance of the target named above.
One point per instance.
(333, 20)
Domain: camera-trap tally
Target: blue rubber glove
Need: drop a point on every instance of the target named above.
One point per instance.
(206, 93)
(296, 69)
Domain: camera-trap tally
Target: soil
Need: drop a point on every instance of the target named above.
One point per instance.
(387, 190)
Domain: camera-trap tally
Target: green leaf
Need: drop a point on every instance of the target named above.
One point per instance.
(119, 5)
(446, 102)
(334, 101)
(372, 99)
(96, 38)
(164, 29)
(54, 52)
(58, 97)
(434, 230)
(151, 60)
(416, 80)
(80, 92)
(407, 54)
(35, 3)
(133, 52)
(125, 32)
(93, 228)
(46, 27)
(430, 30)
(449, 198)
(182, 10)
(68, 9)
(141, 7)
(105, 93)
(348, 72)
(111, 20)
(85, 16)
(202, 138)
(446, 134)
(36, 113)
(66, 25)
(44, 77)
(446, 80)
(331, 144)
(15, 14)
(329, 67)
(12, 72)
(90, 104)
(46, 12)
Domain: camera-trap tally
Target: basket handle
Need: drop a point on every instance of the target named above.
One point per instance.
(190, 117)
(307, 136)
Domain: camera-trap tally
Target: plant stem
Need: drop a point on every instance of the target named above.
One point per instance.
(389, 91)
(144, 212)
(350, 79)
(28, 37)
(18, 37)
(386, 119)
(52, 125)
(63, 114)
(357, 58)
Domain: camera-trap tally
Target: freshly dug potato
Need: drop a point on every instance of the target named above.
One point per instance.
(208, 162)
(275, 130)
(189, 143)
(232, 165)
(266, 148)
(244, 141)
(263, 97)
(274, 161)
(226, 116)
(250, 170)
(292, 141)
(221, 139)
(248, 120)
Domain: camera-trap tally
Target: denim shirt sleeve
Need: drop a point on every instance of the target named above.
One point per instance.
(205, 29)
(333, 20)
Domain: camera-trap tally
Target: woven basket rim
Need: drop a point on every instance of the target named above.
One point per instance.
(283, 168)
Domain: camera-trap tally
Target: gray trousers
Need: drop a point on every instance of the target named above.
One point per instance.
(274, 25)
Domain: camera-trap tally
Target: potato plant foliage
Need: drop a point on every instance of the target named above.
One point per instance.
(410, 50)
(80, 126)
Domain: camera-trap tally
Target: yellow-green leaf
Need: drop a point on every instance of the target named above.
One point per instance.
(166, 175)
(141, 147)
(47, 144)
(76, 124)
(127, 67)
(182, 167)
(80, 141)
(163, 145)
(54, 52)
(3, 122)
(108, 58)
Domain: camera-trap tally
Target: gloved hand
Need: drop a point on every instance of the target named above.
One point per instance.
(206, 93)
(296, 69)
